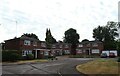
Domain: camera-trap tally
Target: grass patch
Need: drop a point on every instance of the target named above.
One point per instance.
(84, 56)
(100, 66)
(28, 61)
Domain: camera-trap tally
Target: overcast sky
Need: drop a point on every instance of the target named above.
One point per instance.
(34, 16)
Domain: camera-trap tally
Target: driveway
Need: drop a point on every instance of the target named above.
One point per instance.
(59, 67)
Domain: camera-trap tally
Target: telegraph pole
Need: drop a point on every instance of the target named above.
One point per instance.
(16, 28)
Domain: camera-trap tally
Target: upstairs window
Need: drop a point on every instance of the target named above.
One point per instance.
(27, 42)
(53, 46)
(88, 45)
(43, 44)
(66, 46)
(34, 43)
(60, 46)
(95, 45)
(80, 45)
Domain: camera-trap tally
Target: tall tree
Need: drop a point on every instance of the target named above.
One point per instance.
(49, 38)
(85, 40)
(31, 35)
(107, 34)
(72, 37)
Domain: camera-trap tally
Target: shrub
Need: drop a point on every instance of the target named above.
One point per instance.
(30, 56)
(10, 55)
(118, 59)
(76, 56)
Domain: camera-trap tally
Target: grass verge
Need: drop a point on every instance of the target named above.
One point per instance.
(28, 61)
(100, 66)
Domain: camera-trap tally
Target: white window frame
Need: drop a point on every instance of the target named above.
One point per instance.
(66, 46)
(53, 46)
(95, 51)
(25, 52)
(43, 44)
(27, 42)
(80, 45)
(94, 44)
(60, 46)
(34, 43)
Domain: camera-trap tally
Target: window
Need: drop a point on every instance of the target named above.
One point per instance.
(25, 52)
(95, 51)
(46, 53)
(66, 51)
(80, 45)
(53, 46)
(43, 44)
(88, 45)
(34, 43)
(26, 42)
(66, 46)
(79, 51)
(94, 44)
(60, 46)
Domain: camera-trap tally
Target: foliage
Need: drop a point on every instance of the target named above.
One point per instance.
(72, 37)
(118, 59)
(31, 35)
(84, 56)
(30, 56)
(11, 55)
(84, 40)
(107, 34)
(49, 38)
(118, 46)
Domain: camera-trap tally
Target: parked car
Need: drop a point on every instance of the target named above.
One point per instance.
(111, 55)
(103, 55)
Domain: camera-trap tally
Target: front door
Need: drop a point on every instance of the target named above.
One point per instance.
(87, 52)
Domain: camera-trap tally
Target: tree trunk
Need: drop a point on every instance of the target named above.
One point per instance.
(73, 49)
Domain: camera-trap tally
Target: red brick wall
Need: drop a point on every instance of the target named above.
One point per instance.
(12, 44)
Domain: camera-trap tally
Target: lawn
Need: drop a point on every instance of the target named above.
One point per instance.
(28, 61)
(100, 66)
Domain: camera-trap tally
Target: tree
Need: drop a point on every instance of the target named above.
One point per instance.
(49, 38)
(107, 34)
(98, 33)
(118, 46)
(31, 35)
(72, 37)
(84, 40)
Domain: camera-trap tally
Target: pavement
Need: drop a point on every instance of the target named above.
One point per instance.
(62, 66)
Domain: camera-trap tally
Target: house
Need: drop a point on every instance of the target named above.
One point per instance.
(36, 47)
(90, 48)
(26, 45)
(60, 49)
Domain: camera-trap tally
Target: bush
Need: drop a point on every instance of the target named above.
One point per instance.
(84, 56)
(30, 56)
(119, 59)
(76, 56)
(10, 55)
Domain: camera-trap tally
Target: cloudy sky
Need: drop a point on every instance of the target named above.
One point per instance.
(34, 16)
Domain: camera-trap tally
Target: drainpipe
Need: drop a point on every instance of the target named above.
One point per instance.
(89, 52)
(36, 54)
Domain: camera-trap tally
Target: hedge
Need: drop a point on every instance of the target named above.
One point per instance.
(11, 55)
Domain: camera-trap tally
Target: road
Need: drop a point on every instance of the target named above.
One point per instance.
(58, 67)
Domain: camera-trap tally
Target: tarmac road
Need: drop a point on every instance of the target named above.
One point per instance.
(60, 67)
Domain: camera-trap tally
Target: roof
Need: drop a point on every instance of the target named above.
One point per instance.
(23, 38)
(94, 41)
(28, 38)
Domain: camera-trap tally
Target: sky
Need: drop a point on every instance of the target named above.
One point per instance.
(35, 16)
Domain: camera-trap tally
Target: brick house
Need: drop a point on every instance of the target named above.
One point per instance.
(36, 47)
(39, 49)
(26, 45)
(60, 49)
(90, 48)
